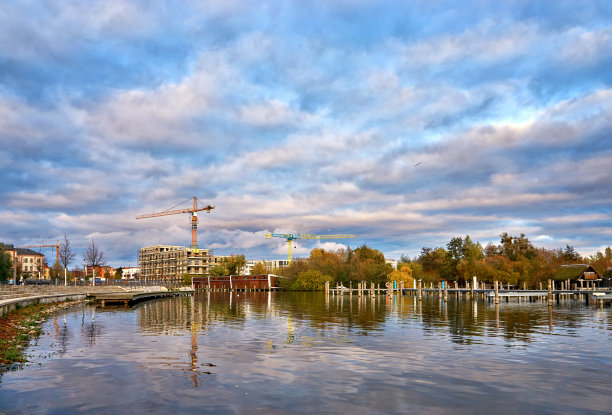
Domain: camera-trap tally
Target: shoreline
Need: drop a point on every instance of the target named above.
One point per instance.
(20, 326)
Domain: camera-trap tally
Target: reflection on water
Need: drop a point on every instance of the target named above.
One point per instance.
(299, 352)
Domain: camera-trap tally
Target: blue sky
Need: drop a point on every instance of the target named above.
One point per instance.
(404, 123)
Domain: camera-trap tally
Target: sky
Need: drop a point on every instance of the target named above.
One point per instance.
(403, 123)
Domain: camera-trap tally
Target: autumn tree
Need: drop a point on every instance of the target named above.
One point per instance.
(369, 265)
(402, 273)
(432, 261)
(217, 270)
(311, 280)
(259, 268)
(234, 264)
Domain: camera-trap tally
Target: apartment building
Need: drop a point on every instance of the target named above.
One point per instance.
(168, 261)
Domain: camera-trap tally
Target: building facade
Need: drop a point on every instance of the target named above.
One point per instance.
(168, 261)
(130, 273)
(30, 264)
(100, 271)
(271, 265)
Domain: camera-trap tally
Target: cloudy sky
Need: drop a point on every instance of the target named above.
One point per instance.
(403, 123)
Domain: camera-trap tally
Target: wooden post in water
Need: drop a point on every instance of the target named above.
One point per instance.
(439, 290)
(472, 290)
(496, 293)
(372, 292)
(326, 286)
(445, 291)
(419, 294)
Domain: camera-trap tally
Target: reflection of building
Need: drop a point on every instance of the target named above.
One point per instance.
(166, 261)
(237, 282)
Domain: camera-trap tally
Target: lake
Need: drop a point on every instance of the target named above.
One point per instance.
(302, 352)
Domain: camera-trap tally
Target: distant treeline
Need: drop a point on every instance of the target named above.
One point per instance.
(514, 260)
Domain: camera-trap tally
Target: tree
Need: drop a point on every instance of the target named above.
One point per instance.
(6, 264)
(234, 264)
(55, 271)
(94, 257)
(402, 273)
(570, 255)
(432, 261)
(66, 256)
(259, 268)
(310, 281)
(217, 271)
(514, 246)
(118, 273)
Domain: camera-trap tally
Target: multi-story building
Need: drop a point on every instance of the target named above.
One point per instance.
(29, 263)
(167, 261)
(100, 271)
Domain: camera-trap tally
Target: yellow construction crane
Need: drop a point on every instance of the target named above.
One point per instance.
(194, 218)
(291, 236)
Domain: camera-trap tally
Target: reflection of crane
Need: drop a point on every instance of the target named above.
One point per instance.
(194, 218)
(291, 236)
(42, 245)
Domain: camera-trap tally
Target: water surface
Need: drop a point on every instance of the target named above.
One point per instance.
(286, 353)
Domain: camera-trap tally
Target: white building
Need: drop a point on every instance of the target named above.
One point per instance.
(130, 273)
(270, 265)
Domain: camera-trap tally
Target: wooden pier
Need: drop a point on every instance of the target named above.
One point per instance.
(592, 296)
(129, 298)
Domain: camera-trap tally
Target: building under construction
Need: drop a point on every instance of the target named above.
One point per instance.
(168, 262)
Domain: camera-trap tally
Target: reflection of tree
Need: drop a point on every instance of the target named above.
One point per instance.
(465, 320)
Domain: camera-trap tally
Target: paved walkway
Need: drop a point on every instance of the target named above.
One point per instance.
(12, 296)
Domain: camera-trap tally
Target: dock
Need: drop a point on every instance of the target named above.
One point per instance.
(595, 296)
(129, 298)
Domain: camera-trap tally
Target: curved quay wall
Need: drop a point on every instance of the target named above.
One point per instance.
(6, 306)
